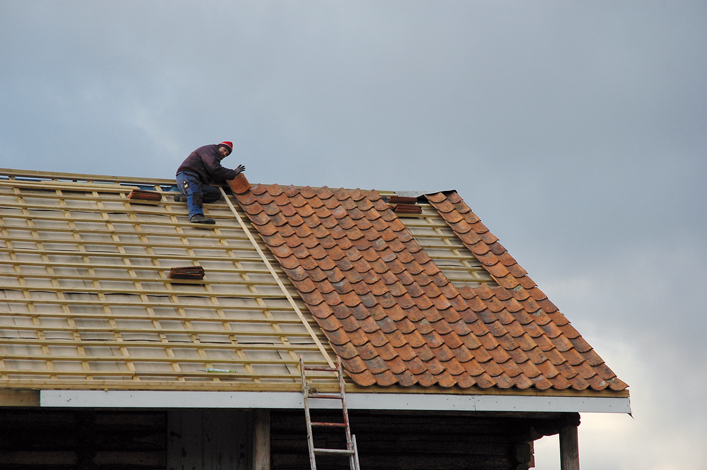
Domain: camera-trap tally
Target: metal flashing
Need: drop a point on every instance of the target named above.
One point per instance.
(356, 401)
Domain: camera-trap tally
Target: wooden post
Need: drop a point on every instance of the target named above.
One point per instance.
(261, 447)
(569, 448)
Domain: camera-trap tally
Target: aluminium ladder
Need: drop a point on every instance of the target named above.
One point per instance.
(308, 393)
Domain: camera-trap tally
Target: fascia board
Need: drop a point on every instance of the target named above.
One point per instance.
(355, 401)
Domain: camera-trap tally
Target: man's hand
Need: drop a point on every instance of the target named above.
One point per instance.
(240, 169)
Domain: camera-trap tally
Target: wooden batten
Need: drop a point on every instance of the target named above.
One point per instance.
(450, 255)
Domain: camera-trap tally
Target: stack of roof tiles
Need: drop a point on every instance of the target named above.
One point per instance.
(395, 318)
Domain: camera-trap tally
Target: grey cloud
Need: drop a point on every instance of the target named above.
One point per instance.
(575, 131)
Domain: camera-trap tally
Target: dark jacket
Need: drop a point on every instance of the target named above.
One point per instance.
(206, 162)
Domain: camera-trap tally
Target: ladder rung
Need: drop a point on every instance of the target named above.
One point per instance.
(334, 451)
(321, 368)
(325, 395)
(331, 425)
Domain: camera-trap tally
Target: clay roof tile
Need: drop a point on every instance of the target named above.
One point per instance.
(364, 378)
(522, 382)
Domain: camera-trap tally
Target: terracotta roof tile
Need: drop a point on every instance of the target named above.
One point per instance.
(573, 357)
(385, 378)
(425, 353)
(399, 342)
(596, 383)
(435, 367)
(444, 354)
(406, 379)
(404, 350)
(455, 368)
(543, 342)
(425, 379)
(396, 314)
(472, 367)
(525, 342)
(507, 342)
(529, 369)
(560, 383)
(416, 366)
(485, 381)
(346, 351)
(503, 381)
(380, 341)
(595, 361)
(522, 382)
(453, 340)
(387, 352)
(414, 338)
(367, 352)
(464, 380)
(617, 385)
(394, 317)
(334, 333)
(492, 368)
(588, 373)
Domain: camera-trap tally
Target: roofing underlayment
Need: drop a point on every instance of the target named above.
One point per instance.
(101, 287)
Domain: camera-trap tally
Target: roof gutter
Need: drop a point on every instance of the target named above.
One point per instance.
(355, 401)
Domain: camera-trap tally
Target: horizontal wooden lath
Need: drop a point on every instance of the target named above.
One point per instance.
(447, 251)
(86, 294)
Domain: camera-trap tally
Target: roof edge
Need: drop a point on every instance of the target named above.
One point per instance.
(355, 401)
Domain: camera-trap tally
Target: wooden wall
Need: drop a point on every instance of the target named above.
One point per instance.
(32, 438)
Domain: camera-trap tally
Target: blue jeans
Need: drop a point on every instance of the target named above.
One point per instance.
(197, 193)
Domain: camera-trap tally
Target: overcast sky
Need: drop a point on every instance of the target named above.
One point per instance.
(577, 131)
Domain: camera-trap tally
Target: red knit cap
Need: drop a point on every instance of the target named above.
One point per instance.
(228, 144)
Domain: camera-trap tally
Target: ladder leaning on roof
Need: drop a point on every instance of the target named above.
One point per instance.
(351, 451)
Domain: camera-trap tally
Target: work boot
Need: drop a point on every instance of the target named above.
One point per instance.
(201, 219)
(180, 198)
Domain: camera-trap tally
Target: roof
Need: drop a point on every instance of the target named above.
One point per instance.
(418, 300)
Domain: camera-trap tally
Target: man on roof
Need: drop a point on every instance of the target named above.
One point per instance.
(203, 166)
